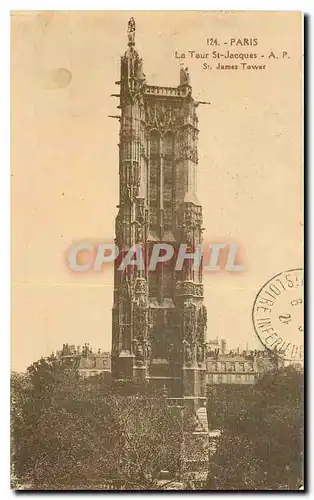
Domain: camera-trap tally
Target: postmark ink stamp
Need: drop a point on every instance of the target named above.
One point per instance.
(278, 315)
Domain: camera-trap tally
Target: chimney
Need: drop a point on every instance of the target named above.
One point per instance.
(223, 346)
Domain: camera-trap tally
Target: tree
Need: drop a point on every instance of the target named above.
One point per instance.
(20, 405)
(149, 439)
(261, 447)
(73, 433)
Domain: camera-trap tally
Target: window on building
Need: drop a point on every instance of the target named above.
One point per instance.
(168, 144)
(167, 275)
(168, 180)
(153, 283)
(154, 143)
(154, 178)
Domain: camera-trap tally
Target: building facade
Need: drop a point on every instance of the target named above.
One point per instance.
(231, 370)
(158, 318)
(85, 360)
(243, 368)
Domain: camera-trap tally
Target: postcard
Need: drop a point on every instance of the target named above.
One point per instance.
(157, 250)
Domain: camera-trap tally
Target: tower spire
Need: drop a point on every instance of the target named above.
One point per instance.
(131, 32)
(159, 320)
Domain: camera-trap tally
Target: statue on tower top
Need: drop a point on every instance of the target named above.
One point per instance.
(131, 31)
(184, 76)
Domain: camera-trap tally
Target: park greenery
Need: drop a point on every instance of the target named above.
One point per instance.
(261, 447)
(71, 433)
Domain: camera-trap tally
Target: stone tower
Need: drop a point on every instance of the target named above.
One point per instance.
(159, 320)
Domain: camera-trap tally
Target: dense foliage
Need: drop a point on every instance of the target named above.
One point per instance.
(70, 433)
(261, 447)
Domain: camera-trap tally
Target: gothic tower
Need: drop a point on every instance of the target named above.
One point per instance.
(159, 320)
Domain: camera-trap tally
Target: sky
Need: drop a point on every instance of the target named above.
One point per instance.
(64, 162)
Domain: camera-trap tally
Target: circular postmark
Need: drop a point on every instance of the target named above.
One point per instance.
(278, 315)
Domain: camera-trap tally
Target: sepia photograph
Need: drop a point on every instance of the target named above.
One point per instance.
(157, 250)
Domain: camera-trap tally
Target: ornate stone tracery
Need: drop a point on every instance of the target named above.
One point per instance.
(159, 320)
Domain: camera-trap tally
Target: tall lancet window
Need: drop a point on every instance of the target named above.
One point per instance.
(168, 180)
(154, 176)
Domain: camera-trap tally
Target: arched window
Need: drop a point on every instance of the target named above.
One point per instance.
(168, 180)
(154, 178)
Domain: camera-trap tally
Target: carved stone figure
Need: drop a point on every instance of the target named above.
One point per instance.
(148, 350)
(140, 286)
(200, 354)
(188, 353)
(131, 31)
(139, 354)
(184, 76)
(139, 231)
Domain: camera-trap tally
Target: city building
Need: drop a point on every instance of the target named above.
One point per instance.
(87, 361)
(231, 369)
(235, 367)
